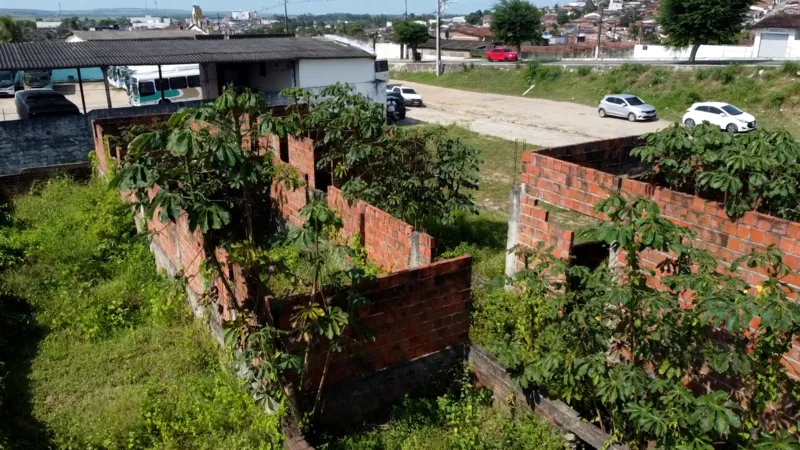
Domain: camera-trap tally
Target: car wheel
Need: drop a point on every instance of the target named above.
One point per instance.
(688, 123)
(489, 58)
(601, 112)
(731, 128)
(505, 59)
(631, 117)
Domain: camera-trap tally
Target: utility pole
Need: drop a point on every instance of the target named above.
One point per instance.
(285, 16)
(599, 31)
(406, 10)
(438, 44)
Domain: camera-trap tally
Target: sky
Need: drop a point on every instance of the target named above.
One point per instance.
(267, 7)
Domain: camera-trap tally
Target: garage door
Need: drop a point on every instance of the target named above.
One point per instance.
(773, 45)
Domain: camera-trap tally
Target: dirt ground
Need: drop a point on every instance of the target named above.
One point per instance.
(94, 92)
(545, 123)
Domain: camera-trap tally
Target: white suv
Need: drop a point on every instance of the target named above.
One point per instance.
(724, 115)
(410, 96)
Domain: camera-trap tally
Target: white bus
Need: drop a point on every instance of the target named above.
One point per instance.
(37, 79)
(181, 85)
(9, 80)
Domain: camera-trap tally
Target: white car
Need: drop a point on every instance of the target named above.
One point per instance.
(410, 96)
(724, 115)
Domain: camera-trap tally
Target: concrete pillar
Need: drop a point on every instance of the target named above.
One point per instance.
(413, 260)
(512, 238)
(209, 81)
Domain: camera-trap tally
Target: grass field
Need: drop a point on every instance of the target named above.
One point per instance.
(772, 94)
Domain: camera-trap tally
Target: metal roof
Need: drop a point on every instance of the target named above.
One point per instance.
(59, 55)
(456, 44)
(120, 35)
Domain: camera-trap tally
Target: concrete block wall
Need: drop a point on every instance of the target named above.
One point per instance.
(47, 141)
(570, 177)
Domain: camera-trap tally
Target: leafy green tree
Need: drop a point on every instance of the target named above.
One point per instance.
(563, 17)
(589, 7)
(754, 171)
(411, 34)
(10, 31)
(475, 18)
(628, 19)
(692, 23)
(516, 21)
(609, 343)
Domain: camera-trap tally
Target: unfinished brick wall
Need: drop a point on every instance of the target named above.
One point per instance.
(571, 177)
(535, 227)
(411, 313)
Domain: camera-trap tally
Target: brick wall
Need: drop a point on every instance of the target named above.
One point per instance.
(411, 313)
(535, 227)
(570, 177)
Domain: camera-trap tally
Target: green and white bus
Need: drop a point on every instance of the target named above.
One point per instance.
(181, 85)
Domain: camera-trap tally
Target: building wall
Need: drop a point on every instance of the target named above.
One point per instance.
(47, 141)
(273, 76)
(313, 73)
(709, 52)
(462, 37)
(792, 47)
(577, 177)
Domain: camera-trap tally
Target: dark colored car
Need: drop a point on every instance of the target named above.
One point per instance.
(399, 104)
(32, 104)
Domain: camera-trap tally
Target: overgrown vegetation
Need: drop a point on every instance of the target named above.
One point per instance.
(626, 354)
(107, 355)
(757, 171)
(207, 164)
(748, 88)
(461, 420)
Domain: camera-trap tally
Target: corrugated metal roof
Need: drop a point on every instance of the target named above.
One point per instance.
(58, 55)
(120, 35)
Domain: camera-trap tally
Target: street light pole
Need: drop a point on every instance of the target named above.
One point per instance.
(599, 30)
(438, 44)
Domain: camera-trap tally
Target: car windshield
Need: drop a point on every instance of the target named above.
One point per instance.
(732, 110)
(5, 79)
(408, 91)
(634, 101)
(507, 50)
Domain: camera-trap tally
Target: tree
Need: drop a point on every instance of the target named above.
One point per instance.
(563, 17)
(589, 7)
(627, 19)
(692, 23)
(516, 21)
(475, 18)
(10, 31)
(411, 34)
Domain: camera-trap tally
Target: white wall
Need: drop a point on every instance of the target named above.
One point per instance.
(325, 72)
(279, 76)
(708, 52)
(792, 47)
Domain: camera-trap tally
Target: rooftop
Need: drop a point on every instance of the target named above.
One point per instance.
(788, 17)
(481, 32)
(57, 55)
(118, 35)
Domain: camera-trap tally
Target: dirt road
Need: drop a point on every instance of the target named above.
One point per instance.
(545, 123)
(94, 93)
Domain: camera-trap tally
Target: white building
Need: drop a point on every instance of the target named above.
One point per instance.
(777, 36)
(458, 20)
(244, 15)
(149, 22)
(47, 25)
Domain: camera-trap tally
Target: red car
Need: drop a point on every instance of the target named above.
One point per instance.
(502, 54)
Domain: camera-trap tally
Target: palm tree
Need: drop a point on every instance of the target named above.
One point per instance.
(10, 31)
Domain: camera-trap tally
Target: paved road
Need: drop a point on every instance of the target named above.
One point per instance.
(545, 123)
(94, 93)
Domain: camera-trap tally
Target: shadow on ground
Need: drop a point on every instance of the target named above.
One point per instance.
(19, 341)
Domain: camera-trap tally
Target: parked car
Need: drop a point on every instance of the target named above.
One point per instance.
(625, 105)
(32, 104)
(410, 96)
(726, 116)
(399, 104)
(502, 54)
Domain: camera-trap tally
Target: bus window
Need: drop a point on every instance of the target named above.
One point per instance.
(164, 83)
(146, 88)
(177, 83)
(193, 80)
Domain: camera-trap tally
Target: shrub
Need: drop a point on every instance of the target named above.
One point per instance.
(634, 68)
(659, 76)
(790, 68)
(584, 70)
(727, 74)
(776, 100)
(539, 72)
(702, 74)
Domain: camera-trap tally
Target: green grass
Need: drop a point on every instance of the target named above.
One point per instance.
(773, 95)
(453, 422)
(109, 356)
